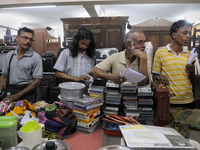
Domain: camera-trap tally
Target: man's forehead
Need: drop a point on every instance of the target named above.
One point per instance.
(185, 28)
(26, 33)
(138, 36)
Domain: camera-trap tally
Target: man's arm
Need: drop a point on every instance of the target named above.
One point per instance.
(143, 64)
(30, 88)
(161, 78)
(96, 72)
(143, 70)
(3, 80)
(66, 77)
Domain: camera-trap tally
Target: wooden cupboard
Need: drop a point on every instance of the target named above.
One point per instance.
(107, 31)
(44, 42)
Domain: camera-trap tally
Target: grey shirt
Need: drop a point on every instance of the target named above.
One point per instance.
(23, 70)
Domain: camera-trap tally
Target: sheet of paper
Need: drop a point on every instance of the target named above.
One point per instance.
(133, 76)
(152, 136)
(193, 55)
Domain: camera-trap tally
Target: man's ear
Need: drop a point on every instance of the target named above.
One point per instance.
(17, 38)
(128, 44)
(174, 35)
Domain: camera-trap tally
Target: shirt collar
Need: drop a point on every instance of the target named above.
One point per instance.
(183, 47)
(28, 52)
(122, 58)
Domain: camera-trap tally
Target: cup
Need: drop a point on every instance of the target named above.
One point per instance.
(30, 139)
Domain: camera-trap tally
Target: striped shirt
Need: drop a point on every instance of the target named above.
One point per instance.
(168, 63)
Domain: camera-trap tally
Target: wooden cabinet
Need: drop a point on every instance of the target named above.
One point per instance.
(107, 31)
(44, 42)
(158, 36)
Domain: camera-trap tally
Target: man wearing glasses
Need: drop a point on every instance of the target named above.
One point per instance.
(75, 63)
(133, 57)
(22, 70)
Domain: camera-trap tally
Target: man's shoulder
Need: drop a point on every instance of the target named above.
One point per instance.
(162, 50)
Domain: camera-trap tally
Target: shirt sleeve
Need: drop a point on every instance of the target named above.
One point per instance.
(37, 68)
(106, 64)
(6, 64)
(61, 62)
(156, 63)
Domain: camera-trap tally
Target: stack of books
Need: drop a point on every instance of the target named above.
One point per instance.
(129, 98)
(145, 103)
(112, 98)
(87, 112)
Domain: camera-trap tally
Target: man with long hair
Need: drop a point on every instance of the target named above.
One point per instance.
(74, 63)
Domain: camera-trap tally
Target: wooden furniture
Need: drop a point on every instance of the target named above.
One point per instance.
(156, 31)
(44, 42)
(108, 32)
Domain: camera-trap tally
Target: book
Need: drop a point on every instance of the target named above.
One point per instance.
(85, 113)
(89, 107)
(88, 125)
(88, 130)
(87, 101)
(86, 121)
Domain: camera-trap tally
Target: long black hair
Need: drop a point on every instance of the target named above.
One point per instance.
(82, 34)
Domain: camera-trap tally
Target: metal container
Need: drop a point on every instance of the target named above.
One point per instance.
(17, 148)
(52, 145)
(71, 90)
(115, 147)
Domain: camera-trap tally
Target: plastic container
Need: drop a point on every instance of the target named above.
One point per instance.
(8, 131)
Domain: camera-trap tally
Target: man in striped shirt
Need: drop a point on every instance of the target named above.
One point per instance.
(169, 66)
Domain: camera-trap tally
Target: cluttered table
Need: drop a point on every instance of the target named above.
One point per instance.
(83, 125)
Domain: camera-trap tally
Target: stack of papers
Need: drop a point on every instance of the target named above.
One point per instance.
(146, 136)
(133, 76)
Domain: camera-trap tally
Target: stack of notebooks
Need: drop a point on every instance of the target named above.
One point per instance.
(129, 98)
(112, 98)
(145, 99)
(87, 112)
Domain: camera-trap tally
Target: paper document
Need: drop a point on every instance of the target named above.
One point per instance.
(193, 55)
(152, 136)
(133, 76)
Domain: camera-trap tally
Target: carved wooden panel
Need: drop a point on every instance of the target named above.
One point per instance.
(117, 41)
(154, 38)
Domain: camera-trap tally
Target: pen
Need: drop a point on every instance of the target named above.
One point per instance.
(120, 75)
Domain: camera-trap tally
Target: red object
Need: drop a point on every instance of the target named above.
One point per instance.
(113, 132)
(162, 97)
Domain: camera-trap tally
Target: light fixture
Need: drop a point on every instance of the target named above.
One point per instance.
(28, 7)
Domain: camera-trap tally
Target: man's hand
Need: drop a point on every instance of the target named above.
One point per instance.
(82, 78)
(11, 98)
(138, 53)
(163, 79)
(118, 78)
(189, 68)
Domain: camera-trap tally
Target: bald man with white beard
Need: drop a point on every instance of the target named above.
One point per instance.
(133, 57)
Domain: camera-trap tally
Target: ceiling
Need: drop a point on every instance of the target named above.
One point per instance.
(138, 12)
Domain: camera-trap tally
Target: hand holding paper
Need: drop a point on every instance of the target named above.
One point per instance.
(192, 56)
(133, 76)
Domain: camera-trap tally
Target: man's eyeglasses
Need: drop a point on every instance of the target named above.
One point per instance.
(141, 43)
(26, 38)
